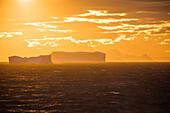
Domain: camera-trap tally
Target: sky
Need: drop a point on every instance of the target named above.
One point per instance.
(126, 30)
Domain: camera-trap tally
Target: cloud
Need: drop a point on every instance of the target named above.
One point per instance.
(10, 34)
(62, 31)
(155, 32)
(137, 29)
(54, 42)
(45, 41)
(105, 21)
(43, 24)
(101, 13)
(150, 12)
(55, 30)
(165, 41)
(122, 28)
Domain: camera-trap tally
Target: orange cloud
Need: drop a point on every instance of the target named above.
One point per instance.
(137, 29)
(43, 24)
(101, 13)
(54, 42)
(106, 21)
(163, 43)
(10, 34)
(146, 12)
(62, 31)
(55, 30)
(45, 41)
(46, 27)
(128, 26)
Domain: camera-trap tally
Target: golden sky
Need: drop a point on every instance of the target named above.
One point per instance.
(126, 30)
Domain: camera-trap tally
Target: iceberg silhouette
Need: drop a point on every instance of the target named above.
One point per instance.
(43, 59)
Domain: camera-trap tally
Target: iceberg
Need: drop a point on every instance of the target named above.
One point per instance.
(60, 57)
(43, 59)
(77, 57)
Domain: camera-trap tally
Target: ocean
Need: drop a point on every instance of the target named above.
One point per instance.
(86, 88)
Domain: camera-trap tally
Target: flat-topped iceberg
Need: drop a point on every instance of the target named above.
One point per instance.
(66, 57)
(43, 59)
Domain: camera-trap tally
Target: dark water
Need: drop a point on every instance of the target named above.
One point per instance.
(86, 88)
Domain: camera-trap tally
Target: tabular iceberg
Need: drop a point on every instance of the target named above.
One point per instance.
(82, 57)
(43, 59)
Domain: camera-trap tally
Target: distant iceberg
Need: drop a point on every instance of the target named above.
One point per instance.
(43, 59)
(60, 57)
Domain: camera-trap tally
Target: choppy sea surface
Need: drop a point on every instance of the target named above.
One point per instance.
(86, 88)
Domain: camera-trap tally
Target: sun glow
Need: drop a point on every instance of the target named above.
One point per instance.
(25, 1)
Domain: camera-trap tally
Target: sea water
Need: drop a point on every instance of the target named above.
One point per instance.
(86, 88)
